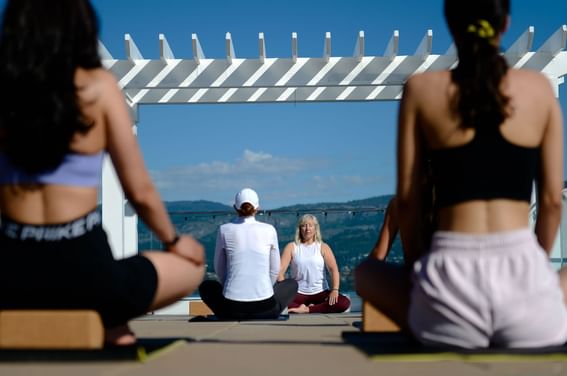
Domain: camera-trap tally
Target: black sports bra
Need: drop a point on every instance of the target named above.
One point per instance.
(488, 167)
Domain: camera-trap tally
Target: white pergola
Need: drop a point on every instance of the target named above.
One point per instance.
(328, 78)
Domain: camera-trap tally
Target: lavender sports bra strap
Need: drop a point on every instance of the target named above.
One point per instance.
(76, 170)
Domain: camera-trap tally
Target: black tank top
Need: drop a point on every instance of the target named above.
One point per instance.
(488, 167)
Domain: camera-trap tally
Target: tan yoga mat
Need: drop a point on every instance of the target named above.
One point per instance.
(146, 349)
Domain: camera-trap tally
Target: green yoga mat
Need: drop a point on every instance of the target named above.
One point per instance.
(397, 347)
(144, 350)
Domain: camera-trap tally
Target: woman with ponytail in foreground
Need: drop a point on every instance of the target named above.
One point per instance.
(489, 132)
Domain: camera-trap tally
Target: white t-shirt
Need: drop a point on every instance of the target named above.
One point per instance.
(247, 259)
(308, 268)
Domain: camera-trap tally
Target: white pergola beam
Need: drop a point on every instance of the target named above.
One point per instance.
(164, 49)
(359, 47)
(522, 45)
(198, 54)
(103, 52)
(555, 43)
(132, 51)
(294, 47)
(263, 79)
(425, 46)
(261, 47)
(230, 55)
(452, 50)
(327, 47)
(393, 45)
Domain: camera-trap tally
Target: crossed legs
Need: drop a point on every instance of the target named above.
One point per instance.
(177, 278)
(385, 286)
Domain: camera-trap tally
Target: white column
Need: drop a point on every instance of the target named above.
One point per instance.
(556, 251)
(562, 236)
(130, 224)
(113, 208)
(560, 246)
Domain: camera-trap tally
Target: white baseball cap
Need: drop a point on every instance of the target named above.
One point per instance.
(246, 195)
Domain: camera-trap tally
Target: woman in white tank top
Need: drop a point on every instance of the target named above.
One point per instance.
(309, 256)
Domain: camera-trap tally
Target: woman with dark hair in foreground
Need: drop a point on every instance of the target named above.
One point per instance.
(61, 113)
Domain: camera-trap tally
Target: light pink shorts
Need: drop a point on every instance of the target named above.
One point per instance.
(497, 289)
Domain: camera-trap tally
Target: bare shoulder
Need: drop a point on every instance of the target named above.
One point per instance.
(98, 76)
(532, 93)
(426, 85)
(426, 79)
(95, 84)
(529, 80)
(325, 247)
(527, 74)
(289, 246)
(289, 250)
(107, 81)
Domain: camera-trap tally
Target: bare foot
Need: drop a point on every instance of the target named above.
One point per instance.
(119, 336)
(301, 309)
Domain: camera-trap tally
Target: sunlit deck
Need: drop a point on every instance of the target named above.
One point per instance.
(302, 345)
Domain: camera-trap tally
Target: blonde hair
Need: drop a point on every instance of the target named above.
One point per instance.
(305, 218)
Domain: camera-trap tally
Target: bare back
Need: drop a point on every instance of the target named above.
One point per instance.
(534, 121)
(43, 203)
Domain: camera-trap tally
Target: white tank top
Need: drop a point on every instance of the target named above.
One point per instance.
(308, 268)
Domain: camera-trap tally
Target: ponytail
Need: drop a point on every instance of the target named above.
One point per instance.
(476, 26)
(478, 76)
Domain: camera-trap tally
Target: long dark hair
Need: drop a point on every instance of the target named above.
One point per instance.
(42, 43)
(475, 26)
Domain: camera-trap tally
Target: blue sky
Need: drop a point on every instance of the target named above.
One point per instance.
(290, 153)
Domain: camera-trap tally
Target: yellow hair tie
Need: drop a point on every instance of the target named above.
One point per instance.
(483, 29)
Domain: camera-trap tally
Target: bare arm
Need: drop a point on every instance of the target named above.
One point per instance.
(410, 173)
(285, 260)
(126, 156)
(333, 268)
(550, 181)
(387, 232)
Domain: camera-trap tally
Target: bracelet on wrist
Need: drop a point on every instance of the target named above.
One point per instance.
(173, 242)
(334, 289)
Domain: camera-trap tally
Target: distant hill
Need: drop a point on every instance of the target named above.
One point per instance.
(350, 228)
(196, 206)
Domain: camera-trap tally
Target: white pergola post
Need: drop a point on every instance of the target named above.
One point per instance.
(559, 250)
(112, 208)
(130, 223)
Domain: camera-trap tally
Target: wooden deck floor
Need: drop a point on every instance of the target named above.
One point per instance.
(302, 345)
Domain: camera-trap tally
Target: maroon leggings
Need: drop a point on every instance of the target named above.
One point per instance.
(319, 303)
